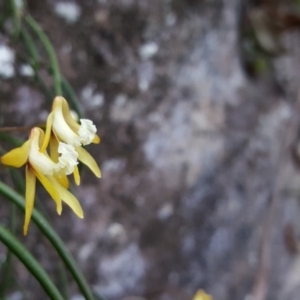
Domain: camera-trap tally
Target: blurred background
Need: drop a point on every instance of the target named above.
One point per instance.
(196, 105)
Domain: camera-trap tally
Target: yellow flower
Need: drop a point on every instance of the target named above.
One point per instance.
(51, 174)
(61, 127)
(201, 295)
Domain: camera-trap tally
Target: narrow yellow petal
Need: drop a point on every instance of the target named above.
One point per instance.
(50, 189)
(54, 148)
(88, 160)
(41, 135)
(67, 115)
(17, 157)
(29, 197)
(48, 132)
(96, 139)
(67, 197)
(63, 180)
(76, 176)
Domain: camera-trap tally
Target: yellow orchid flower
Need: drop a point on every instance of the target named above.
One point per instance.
(62, 127)
(201, 295)
(51, 174)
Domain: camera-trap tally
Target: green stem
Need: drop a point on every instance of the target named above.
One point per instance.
(50, 51)
(30, 262)
(52, 236)
(14, 128)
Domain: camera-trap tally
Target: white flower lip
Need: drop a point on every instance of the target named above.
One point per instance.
(39, 160)
(68, 158)
(63, 130)
(86, 131)
(72, 134)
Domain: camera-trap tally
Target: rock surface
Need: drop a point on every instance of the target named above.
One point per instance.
(190, 153)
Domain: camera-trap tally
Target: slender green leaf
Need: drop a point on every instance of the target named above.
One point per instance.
(7, 266)
(62, 280)
(50, 51)
(30, 262)
(52, 236)
(32, 50)
(16, 11)
(35, 62)
(71, 96)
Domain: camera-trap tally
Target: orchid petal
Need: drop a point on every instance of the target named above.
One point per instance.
(29, 197)
(63, 180)
(41, 136)
(76, 176)
(40, 160)
(88, 160)
(96, 139)
(54, 148)
(46, 182)
(67, 197)
(67, 115)
(48, 132)
(17, 157)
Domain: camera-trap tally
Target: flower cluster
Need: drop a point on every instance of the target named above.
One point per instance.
(64, 137)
